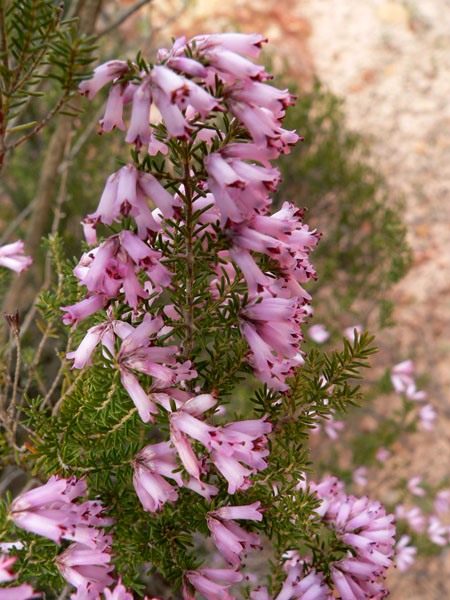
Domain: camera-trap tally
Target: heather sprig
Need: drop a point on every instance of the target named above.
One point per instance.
(189, 288)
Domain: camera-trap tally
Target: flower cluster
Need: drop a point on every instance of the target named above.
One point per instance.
(127, 273)
(203, 125)
(363, 525)
(52, 511)
(404, 383)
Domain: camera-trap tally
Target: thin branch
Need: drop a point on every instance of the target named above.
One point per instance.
(122, 18)
(16, 222)
(40, 125)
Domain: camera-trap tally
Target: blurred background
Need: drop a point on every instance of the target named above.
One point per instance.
(374, 173)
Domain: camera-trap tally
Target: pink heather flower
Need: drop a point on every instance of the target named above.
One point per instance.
(113, 268)
(87, 569)
(249, 44)
(114, 110)
(359, 476)
(427, 417)
(210, 583)
(152, 465)
(102, 333)
(402, 375)
(442, 502)
(414, 517)
(137, 353)
(230, 539)
(6, 572)
(349, 332)
(252, 512)
(83, 309)
(318, 333)
(118, 593)
(103, 75)
(364, 525)
(139, 130)
(309, 587)
(50, 511)
(12, 257)
(402, 378)
(333, 427)
(437, 532)
(414, 488)
(271, 326)
(382, 454)
(229, 446)
(405, 555)
(19, 592)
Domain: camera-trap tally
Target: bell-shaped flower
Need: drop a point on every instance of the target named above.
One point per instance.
(152, 466)
(12, 257)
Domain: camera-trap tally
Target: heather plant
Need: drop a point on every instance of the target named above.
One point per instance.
(150, 474)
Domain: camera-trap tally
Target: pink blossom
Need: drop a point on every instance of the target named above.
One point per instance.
(87, 569)
(152, 465)
(139, 130)
(382, 454)
(442, 502)
(364, 525)
(230, 539)
(437, 532)
(19, 592)
(318, 333)
(402, 378)
(113, 110)
(50, 511)
(118, 593)
(12, 257)
(103, 74)
(229, 446)
(349, 332)
(83, 309)
(359, 476)
(413, 516)
(333, 427)
(251, 512)
(241, 43)
(414, 486)
(6, 572)
(404, 554)
(427, 417)
(213, 584)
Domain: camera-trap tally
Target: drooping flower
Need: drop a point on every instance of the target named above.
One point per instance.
(152, 466)
(427, 417)
(12, 257)
(405, 554)
(413, 516)
(414, 486)
(213, 584)
(442, 502)
(437, 531)
(87, 569)
(318, 333)
(50, 510)
(231, 540)
(237, 449)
